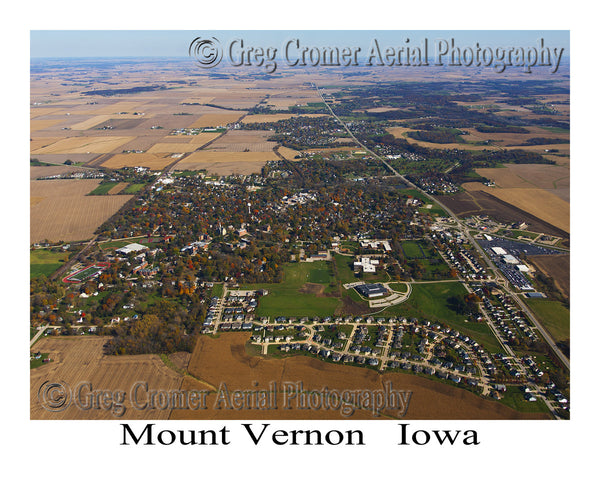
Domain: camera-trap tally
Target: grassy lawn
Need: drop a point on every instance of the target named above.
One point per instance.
(45, 262)
(38, 362)
(399, 287)
(217, 290)
(513, 398)
(553, 315)
(285, 299)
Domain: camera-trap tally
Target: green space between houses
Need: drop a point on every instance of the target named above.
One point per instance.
(217, 290)
(553, 315)
(285, 298)
(45, 262)
(514, 398)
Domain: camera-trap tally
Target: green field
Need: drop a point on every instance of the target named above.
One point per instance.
(345, 272)
(217, 290)
(133, 188)
(412, 249)
(103, 188)
(285, 299)
(553, 315)
(45, 262)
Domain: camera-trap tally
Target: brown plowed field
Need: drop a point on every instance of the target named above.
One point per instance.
(556, 267)
(466, 204)
(224, 360)
(539, 203)
(77, 360)
(66, 213)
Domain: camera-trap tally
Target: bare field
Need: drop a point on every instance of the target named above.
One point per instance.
(480, 202)
(557, 267)
(275, 117)
(224, 360)
(539, 203)
(173, 148)
(118, 188)
(288, 153)
(527, 176)
(148, 160)
(224, 163)
(36, 172)
(107, 119)
(35, 112)
(84, 145)
(37, 143)
(243, 140)
(77, 360)
(66, 213)
(115, 108)
(217, 119)
(35, 125)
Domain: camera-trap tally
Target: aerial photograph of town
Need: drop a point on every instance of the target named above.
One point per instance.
(302, 226)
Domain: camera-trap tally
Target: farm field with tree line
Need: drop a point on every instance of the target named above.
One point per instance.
(218, 188)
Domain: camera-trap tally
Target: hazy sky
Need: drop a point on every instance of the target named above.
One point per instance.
(134, 43)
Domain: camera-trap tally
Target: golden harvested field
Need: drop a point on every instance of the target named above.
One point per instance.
(538, 202)
(66, 213)
(202, 138)
(200, 100)
(224, 163)
(216, 119)
(37, 143)
(241, 140)
(119, 187)
(527, 176)
(35, 125)
(148, 160)
(77, 360)
(84, 145)
(35, 112)
(115, 108)
(98, 119)
(275, 117)
(173, 148)
(224, 359)
(288, 153)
